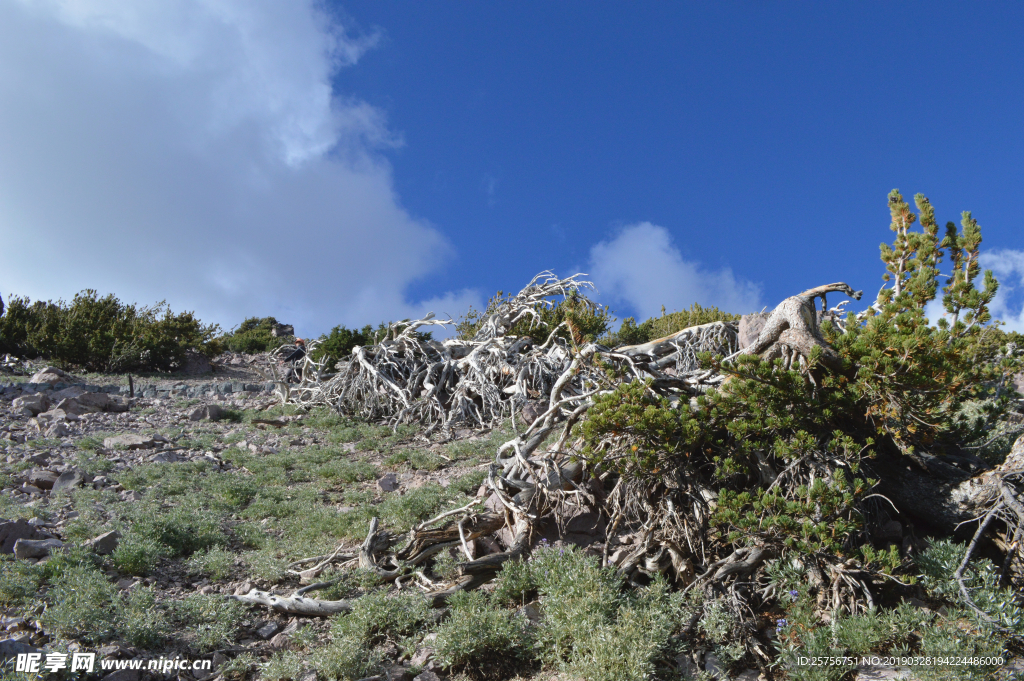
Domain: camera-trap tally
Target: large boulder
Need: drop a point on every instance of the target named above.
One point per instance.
(750, 327)
(42, 479)
(13, 530)
(208, 412)
(31, 405)
(48, 375)
(35, 548)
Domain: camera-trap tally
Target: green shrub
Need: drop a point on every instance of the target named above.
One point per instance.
(482, 640)
(206, 622)
(215, 563)
(939, 563)
(379, 617)
(82, 606)
(136, 555)
(19, 581)
(254, 335)
(585, 321)
(104, 334)
(338, 344)
(182, 529)
(631, 333)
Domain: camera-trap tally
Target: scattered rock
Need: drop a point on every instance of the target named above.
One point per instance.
(35, 548)
(42, 479)
(68, 480)
(13, 530)
(31, 405)
(421, 656)
(427, 676)
(713, 667)
(133, 441)
(749, 675)
(209, 412)
(268, 630)
(123, 675)
(387, 483)
(10, 649)
(106, 543)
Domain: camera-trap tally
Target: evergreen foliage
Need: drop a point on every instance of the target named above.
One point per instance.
(103, 334)
(584, 321)
(254, 335)
(631, 333)
(902, 385)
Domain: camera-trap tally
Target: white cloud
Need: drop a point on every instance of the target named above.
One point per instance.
(196, 151)
(642, 268)
(1008, 305)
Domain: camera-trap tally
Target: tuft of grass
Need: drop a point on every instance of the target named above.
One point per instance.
(207, 623)
(136, 554)
(215, 563)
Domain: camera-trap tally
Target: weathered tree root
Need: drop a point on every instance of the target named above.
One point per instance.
(294, 604)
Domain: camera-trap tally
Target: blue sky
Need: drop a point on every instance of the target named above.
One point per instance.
(373, 160)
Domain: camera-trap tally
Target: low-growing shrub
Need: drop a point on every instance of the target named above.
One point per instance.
(136, 554)
(482, 640)
(208, 623)
(379, 617)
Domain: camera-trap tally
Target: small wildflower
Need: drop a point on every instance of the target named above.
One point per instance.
(779, 626)
(793, 595)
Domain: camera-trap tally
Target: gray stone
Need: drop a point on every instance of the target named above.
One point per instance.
(31, 405)
(421, 656)
(748, 675)
(209, 412)
(68, 480)
(35, 548)
(427, 676)
(48, 375)
(387, 483)
(10, 649)
(750, 327)
(13, 530)
(268, 630)
(133, 441)
(106, 543)
(41, 478)
(713, 667)
(123, 675)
